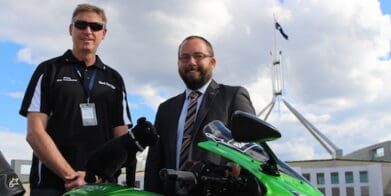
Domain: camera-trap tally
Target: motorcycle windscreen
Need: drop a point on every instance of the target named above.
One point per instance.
(217, 132)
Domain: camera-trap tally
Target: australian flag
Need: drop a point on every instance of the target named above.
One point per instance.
(279, 28)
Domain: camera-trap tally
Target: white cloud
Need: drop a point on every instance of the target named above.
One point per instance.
(14, 145)
(24, 55)
(261, 90)
(151, 96)
(386, 138)
(194, 18)
(335, 104)
(16, 95)
(297, 150)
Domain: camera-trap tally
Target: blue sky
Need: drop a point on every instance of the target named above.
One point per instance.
(16, 76)
(385, 6)
(333, 74)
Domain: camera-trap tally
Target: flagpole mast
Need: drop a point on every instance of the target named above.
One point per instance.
(277, 69)
(275, 40)
(276, 77)
(278, 86)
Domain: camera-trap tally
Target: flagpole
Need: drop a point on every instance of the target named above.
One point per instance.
(275, 76)
(278, 86)
(275, 40)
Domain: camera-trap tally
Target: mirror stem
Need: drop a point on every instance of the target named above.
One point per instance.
(271, 166)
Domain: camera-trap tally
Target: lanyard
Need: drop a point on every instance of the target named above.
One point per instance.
(88, 88)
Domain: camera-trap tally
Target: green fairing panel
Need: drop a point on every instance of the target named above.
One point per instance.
(275, 185)
(106, 189)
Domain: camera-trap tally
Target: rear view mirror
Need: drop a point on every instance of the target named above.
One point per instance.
(246, 127)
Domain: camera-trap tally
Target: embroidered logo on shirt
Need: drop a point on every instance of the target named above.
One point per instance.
(66, 79)
(107, 84)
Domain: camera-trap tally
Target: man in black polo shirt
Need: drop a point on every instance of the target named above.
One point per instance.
(74, 103)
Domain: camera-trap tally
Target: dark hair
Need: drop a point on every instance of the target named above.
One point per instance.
(85, 7)
(208, 44)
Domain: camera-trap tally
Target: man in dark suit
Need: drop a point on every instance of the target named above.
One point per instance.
(215, 101)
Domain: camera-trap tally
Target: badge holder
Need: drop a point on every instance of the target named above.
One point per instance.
(88, 111)
(88, 114)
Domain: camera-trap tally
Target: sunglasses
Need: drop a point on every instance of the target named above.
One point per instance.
(94, 26)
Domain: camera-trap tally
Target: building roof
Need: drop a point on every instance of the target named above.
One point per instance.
(379, 152)
(321, 163)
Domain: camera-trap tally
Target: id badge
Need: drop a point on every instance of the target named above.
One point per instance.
(88, 114)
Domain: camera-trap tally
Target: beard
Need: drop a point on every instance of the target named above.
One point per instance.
(195, 82)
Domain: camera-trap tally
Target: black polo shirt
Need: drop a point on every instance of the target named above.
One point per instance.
(56, 89)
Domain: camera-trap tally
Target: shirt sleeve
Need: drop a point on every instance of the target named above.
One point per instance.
(122, 113)
(36, 98)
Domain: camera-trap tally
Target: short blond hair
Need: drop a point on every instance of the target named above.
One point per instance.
(85, 7)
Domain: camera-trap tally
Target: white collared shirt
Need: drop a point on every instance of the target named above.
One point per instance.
(182, 117)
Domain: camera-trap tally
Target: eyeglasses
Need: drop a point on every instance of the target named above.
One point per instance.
(196, 56)
(94, 26)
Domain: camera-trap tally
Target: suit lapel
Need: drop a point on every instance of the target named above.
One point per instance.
(206, 103)
(176, 112)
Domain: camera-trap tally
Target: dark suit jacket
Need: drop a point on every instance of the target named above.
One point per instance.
(219, 103)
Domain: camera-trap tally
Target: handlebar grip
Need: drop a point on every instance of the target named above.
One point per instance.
(183, 176)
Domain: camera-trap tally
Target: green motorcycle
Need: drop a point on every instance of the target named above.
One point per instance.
(255, 170)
